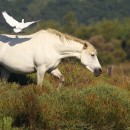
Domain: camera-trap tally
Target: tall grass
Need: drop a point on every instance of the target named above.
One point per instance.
(84, 103)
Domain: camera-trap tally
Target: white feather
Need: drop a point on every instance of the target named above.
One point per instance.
(14, 23)
(10, 20)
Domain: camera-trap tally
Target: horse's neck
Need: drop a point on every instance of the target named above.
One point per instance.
(72, 49)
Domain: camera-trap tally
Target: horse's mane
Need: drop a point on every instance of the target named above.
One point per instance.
(69, 37)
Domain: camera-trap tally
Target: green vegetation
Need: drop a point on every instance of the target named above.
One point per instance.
(85, 102)
(87, 11)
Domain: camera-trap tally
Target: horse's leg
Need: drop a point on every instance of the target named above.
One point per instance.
(40, 75)
(58, 74)
(4, 74)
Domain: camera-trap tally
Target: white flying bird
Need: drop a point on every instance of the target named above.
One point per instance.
(18, 26)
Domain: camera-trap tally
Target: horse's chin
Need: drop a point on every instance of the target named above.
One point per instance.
(89, 68)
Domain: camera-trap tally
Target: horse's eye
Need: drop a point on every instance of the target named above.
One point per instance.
(92, 55)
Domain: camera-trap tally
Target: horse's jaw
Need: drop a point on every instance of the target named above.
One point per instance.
(89, 68)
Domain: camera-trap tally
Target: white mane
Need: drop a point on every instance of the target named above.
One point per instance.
(90, 47)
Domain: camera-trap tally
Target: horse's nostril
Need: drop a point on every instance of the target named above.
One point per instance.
(100, 71)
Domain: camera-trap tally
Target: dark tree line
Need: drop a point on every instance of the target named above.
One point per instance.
(86, 11)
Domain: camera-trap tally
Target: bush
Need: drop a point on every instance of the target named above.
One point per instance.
(99, 107)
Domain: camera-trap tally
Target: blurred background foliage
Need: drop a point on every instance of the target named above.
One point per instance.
(106, 24)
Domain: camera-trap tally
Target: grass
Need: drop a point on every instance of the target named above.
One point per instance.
(84, 103)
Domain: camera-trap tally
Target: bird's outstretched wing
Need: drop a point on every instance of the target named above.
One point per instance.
(27, 24)
(9, 19)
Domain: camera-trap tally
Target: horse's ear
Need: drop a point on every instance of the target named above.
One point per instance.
(85, 46)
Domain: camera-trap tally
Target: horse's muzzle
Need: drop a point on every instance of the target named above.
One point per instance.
(97, 71)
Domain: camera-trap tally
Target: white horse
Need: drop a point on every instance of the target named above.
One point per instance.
(42, 52)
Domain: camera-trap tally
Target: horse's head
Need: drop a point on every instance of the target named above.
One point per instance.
(90, 60)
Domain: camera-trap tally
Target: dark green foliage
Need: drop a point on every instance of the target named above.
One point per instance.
(86, 11)
(70, 23)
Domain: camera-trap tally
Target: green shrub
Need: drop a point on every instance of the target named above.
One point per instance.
(85, 102)
(100, 107)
